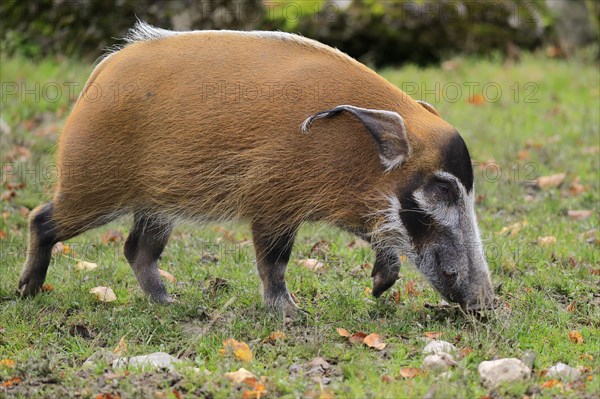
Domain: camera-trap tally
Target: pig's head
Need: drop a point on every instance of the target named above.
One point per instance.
(426, 210)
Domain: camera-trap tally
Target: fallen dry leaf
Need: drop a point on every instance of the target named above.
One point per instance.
(386, 379)
(579, 214)
(325, 395)
(121, 347)
(571, 307)
(523, 154)
(112, 236)
(8, 195)
(367, 291)
(318, 364)
(311, 264)
(254, 393)
(258, 388)
(8, 363)
(409, 372)
(47, 288)
(544, 241)
(575, 337)
(104, 294)
(108, 395)
(550, 383)
(85, 266)
(11, 382)
(586, 356)
(466, 351)
(3, 235)
(357, 337)
(513, 229)
(545, 182)
(239, 349)
(167, 276)
(477, 99)
(374, 341)
(275, 336)
(239, 376)
(433, 334)
(343, 332)
(576, 188)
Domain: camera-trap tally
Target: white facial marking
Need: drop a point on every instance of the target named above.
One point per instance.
(390, 232)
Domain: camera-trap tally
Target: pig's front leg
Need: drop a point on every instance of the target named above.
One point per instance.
(273, 251)
(385, 271)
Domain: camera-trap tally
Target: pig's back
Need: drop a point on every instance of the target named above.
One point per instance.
(210, 120)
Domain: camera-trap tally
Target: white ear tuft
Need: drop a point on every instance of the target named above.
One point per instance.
(386, 127)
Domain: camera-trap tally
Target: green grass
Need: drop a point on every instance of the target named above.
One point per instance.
(559, 127)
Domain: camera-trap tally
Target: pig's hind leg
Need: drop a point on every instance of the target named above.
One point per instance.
(55, 221)
(272, 255)
(42, 237)
(143, 247)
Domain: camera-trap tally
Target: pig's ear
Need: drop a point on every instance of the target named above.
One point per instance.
(386, 127)
(429, 108)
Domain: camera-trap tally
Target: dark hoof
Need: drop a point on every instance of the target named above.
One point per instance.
(381, 284)
(478, 307)
(164, 299)
(29, 287)
(284, 305)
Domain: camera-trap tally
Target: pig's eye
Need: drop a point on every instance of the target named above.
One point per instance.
(444, 191)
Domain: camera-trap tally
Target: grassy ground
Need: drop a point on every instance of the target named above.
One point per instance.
(544, 122)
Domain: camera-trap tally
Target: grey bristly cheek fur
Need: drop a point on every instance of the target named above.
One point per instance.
(390, 233)
(458, 220)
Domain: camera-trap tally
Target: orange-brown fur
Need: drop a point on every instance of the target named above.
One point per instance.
(162, 147)
(150, 136)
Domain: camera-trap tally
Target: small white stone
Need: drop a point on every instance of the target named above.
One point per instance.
(437, 346)
(157, 360)
(438, 363)
(495, 372)
(563, 372)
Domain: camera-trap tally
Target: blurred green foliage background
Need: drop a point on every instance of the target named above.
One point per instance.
(376, 32)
